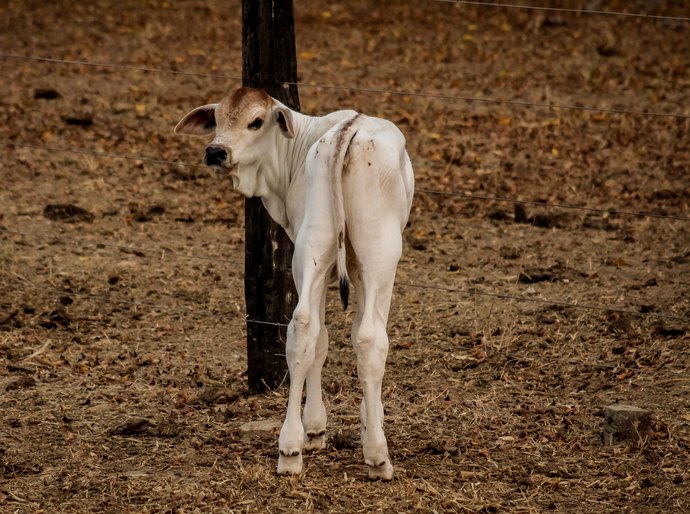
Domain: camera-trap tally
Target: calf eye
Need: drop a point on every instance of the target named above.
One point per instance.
(256, 124)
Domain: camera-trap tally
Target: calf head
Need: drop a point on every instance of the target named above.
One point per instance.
(245, 124)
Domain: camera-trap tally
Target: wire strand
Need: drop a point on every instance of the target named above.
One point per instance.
(553, 204)
(469, 292)
(93, 153)
(420, 190)
(568, 10)
(558, 303)
(129, 67)
(378, 91)
(136, 250)
(472, 99)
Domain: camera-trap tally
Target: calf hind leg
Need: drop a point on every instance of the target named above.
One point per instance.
(371, 343)
(371, 359)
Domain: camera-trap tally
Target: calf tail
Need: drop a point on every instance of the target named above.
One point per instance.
(343, 138)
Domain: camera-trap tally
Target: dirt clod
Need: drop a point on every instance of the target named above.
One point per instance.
(68, 213)
(21, 383)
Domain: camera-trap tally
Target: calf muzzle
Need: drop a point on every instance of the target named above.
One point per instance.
(215, 156)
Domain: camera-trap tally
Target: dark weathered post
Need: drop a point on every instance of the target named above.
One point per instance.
(268, 62)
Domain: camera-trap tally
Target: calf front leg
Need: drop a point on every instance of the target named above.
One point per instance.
(314, 417)
(305, 351)
(299, 351)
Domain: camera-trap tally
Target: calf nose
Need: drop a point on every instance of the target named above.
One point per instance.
(215, 156)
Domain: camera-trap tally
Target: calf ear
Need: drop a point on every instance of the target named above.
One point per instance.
(283, 118)
(198, 122)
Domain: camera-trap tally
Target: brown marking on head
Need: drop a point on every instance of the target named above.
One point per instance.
(235, 106)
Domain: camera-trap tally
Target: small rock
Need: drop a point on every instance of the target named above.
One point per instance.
(261, 427)
(626, 423)
(121, 107)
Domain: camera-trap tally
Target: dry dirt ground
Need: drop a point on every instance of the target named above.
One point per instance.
(122, 350)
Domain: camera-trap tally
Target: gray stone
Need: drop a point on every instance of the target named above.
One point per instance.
(261, 427)
(626, 424)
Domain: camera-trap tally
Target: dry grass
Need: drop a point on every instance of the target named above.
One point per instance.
(487, 410)
(122, 355)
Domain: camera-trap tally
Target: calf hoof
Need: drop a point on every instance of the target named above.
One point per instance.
(290, 464)
(315, 440)
(381, 471)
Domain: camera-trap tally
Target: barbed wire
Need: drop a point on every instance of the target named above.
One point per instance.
(468, 292)
(423, 94)
(129, 67)
(136, 250)
(567, 10)
(474, 99)
(163, 309)
(556, 303)
(458, 194)
(535, 203)
(369, 90)
(93, 153)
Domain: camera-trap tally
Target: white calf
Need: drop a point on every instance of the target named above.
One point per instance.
(341, 186)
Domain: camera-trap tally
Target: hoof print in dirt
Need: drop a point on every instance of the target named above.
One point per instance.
(143, 216)
(556, 273)
(551, 220)
(343, 441)
(599, 223)
(439, 448)
(78, 121)
(55, 319)
(23, 382)
(499, 215)
(68, 213)
(6, 319)
(669, 330)
(620, 324)
(133, 427)
(46, 94)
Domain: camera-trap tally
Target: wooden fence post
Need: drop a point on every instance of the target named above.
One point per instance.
(269, 62)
